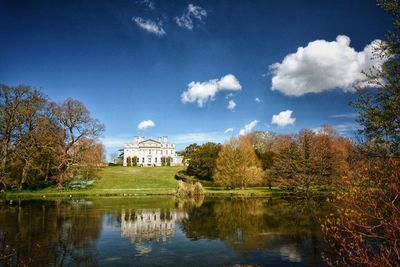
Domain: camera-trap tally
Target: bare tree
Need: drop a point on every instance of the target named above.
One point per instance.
(77, 124)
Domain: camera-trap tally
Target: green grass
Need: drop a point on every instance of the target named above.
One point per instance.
(136, 181)
(136, 178)
(118, 181)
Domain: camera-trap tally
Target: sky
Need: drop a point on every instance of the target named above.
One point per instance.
(195, 71)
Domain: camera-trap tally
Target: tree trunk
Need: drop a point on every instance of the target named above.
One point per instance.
(24, 175)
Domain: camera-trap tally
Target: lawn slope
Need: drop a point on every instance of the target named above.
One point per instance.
(118, 181)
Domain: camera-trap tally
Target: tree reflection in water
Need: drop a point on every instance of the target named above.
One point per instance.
(283, 231)
(290, 227)
(49, 233)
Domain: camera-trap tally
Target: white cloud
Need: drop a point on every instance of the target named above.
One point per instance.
(345, 115)
(248, 127)
(148, 4)
(150, 26)
(258, 100)
(284, 118)
(192, 12)
(201, 92)
(146, 124)
(322, 66)
(231, 105)
(229, 130)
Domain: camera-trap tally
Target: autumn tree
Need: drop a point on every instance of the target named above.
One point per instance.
(77, 124)
(237, 165)
(13, 101)
(40, 141)
(286, 167)
(365, 230)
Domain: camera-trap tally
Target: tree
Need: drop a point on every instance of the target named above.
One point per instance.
(77, 124)
(365, 229)
(189, 151)
(134, 161)
(168, 161)
(286, 166)
(41, 140)
(13, 101)
(237, 165)
(379, 110)
(202, 160)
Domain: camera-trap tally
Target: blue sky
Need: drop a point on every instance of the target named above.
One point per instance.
(181, 64)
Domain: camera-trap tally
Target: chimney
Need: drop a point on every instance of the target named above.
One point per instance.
(159, 139)
(165, 139)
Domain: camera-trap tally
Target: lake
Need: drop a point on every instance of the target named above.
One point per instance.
(163, 231)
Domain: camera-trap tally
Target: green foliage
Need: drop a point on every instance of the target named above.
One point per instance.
(379, 109)
(266, 158)
(202, 160)
(163, 161)
(134, 160)
(168, 161)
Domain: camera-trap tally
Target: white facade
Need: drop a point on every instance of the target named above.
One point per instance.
(150, 151)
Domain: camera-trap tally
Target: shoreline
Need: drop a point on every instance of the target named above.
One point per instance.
(126, 193)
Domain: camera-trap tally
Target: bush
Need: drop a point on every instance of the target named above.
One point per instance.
(189, 190)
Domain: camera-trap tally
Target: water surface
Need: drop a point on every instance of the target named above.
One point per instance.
(162, 231)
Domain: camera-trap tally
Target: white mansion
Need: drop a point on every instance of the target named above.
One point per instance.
(149, 152)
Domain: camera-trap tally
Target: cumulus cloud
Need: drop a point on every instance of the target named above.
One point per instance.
(258, 100)
(322, 66)
(229, 130)
(201, 92)
(192, 13)
(248, 127)
(146, 124)
(231, 105)
(150, 26)
(284, 118)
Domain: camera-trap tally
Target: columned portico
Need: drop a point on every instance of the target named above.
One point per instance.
(151, 152)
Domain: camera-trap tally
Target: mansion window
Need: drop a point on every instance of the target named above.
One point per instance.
(155, 159)
(142, 160)
(149, 160)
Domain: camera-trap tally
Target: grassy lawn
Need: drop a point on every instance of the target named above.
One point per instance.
(136, 178)
(119, 181)
(136, 181)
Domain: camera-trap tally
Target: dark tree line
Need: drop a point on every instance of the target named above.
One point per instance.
(43, 142)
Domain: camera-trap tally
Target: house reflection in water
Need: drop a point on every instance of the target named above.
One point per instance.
(149, 225)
